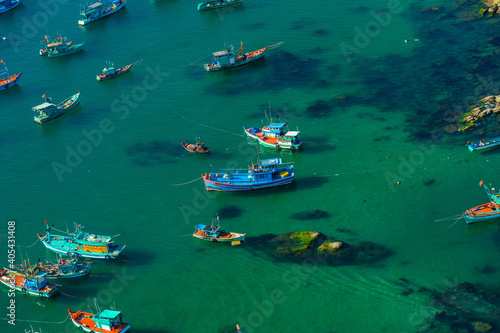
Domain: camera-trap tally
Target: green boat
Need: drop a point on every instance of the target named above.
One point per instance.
(216, 4)
(59, 47)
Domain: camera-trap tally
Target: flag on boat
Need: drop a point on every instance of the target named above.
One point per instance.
(44, 97)
(481, 183)
(1, 61)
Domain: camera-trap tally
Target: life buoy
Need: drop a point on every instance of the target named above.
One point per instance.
(23, 290)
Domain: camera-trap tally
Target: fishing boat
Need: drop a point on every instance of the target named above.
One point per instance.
(196, 148)
(485, 212)
(216, 4)
(33, 282)
(65, 268)
(257, 176)
(484, 144)
(229, 58)
(6, 5)
(111, 72)
(81, 244)
(102, 321)
(274, 136)
(7, 81)
(101, 9)
(59, 47)
(214, 233)
(48, 111)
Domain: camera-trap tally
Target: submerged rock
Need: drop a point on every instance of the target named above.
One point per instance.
(310, 215)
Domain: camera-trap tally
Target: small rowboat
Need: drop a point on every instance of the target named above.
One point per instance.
(484, 144)
(196, 148)
(485, 212)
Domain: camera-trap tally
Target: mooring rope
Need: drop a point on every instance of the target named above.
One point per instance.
(453, 223)
(70, 295)
(31, 244)
(208, 126)
(192, 181)
(39, 321)
(195, 62)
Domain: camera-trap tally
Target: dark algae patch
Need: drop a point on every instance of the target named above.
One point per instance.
(229, 212)
(154, 152)
(310, 215)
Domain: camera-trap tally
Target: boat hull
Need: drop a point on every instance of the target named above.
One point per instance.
(273, 145)
(233, 237)
(78, 317)
(214, 183)
(486, 212)
(186, 147)
(259, 54)
(222, 4)
(74, 49)
(84, 271)
(90, 20)
(120, 71)
(11, 81)
(46, 292)
(62, 246)
(13, 4)
(60, 110)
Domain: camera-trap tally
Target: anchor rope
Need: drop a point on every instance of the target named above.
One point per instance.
(208, 126)
(71, 295)
(31, 244)
(195, 62)
(39, 321)
(453, 223)
(192, 181)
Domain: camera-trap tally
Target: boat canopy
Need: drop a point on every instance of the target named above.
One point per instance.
(270, 162)
(292, 133)
(95, 5)
(200, 226)
(221, 53)
(109, 314)
(277, 125)
(43, 106)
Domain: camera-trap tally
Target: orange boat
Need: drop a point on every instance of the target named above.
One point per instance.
(107, 321)
(7, 81)
(196, 148)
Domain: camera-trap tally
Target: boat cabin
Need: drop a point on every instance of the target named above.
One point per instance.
(107, 319)
(210, 230)
(45, 108)
(224, 58)
(109, 71)
(274, 130)
(289, 137)
(37, 281)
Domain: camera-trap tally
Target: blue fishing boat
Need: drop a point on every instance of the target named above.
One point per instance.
(257, 176)
(48, 111)
(7, 81)
(65, 268)
(484, 144)
(33, 282)
(229, 58)
(100, 10)
(214, 233)
(6, 5)
(81, 244)
(111, 72)
(274, 136)
(216, 4)
(486, 212)
(107, 321)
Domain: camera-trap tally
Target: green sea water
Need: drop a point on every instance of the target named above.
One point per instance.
(371, 111)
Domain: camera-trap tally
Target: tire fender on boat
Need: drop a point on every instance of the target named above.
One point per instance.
(214, 240)
(80, 328)
(23, 290)
(40, 294)
(107, 258)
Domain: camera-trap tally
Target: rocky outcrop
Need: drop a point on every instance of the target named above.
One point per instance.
(485, 107)
(300, 245)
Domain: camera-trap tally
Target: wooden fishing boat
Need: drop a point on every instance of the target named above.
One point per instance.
(59, 47)
(101, 9)
(485, 212)
(65, 269)
(196, 148)
(102, 321)
(274, 136)
(229, 58)
(111, 72)
(33, 282)
(81, 244)
(7, 81)
(484, 144)
(215, 234)
(6, 5)
(258, 176)
(216, 4)
(48, 111)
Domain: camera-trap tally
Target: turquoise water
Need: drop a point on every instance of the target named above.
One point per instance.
(378, 111)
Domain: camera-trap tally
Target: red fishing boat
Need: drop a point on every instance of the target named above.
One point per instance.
(107, 321)
(7, 81)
